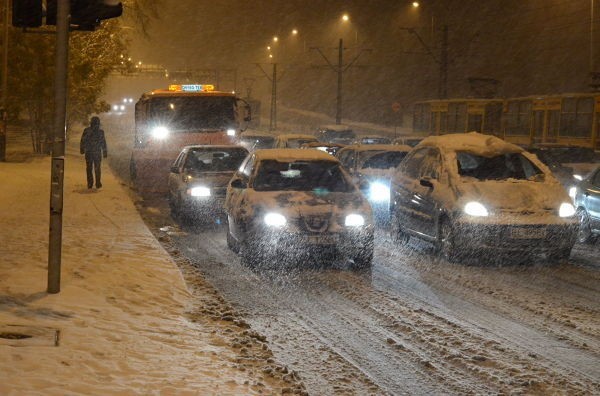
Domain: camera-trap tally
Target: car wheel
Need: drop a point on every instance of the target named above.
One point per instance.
(363, 261)
(559, 256)
(585, 234)
(447, 246)
(396, 233)
(251, 256)
(232, 243)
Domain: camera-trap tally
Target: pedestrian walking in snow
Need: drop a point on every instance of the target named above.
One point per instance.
(93, 145)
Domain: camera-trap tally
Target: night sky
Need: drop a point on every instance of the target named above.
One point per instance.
(529, 47)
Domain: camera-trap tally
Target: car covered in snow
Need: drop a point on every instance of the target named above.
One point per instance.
(293, 140)
(291, 203)
(198, 180)
(342, 134)
(586, 196)
(254, 140)
(470, 193)
(371, 167)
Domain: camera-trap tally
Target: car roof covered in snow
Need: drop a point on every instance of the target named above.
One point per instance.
(290, 136)
(472, 142)
(379, 147)
(288, 155)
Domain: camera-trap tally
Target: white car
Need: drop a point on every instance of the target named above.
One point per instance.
(291, 203)
(472, 193)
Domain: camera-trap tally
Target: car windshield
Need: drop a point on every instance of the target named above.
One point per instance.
(215, 159)
(193, 113)
(297, 143)
(498, 167)
(320, 176)
(385, 160)
(257, 142)
(345, 134)
(375, 140)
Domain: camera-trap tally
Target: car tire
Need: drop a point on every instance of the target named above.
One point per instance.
(250, 256)
(363, 261)
(584, 235)
(446, 244)
(559, 256)
(397, 234)
(232, 244)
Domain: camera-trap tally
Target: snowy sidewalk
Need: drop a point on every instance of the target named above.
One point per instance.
(123, 311)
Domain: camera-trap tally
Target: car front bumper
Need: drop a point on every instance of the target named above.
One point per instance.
(524, 238)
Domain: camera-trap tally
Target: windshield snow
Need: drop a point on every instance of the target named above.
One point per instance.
(498, 167)
(215, 159)
(320, 176)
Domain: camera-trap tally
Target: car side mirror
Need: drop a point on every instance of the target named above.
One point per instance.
(426, 182)
(239, 183)
(174, 169)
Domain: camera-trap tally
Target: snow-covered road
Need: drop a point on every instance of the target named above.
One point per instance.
(417, 324)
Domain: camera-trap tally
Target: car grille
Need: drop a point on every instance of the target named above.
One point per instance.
(314, 223)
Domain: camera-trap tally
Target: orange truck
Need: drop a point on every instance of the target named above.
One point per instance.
(166, 120)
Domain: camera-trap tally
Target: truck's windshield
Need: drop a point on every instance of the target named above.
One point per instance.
(193, 113)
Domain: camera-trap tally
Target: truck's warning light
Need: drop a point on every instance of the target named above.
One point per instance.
(191, 87)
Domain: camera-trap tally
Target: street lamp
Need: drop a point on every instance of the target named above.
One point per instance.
(294, 32)
(345, 18)
(275, 39)
(415, 4)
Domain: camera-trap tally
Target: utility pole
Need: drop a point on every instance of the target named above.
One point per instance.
(273, 79)
(339, 69)
(442, 60)
(443, 83)
(4, 113)
(58, 146)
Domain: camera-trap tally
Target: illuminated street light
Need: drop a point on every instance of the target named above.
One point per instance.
(270, 55)
(345, 18)
(268, 48)
(295, 32)
(275, 39)
(415, 4)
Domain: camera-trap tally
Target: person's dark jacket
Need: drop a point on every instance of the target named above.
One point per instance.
(92, 141)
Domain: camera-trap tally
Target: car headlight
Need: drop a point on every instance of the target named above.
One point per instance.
(354, 220)
(160, 132)
(379, 192)
(573, 192)
(475, 209)
(566, 210)
(578, 177)
(275, 220)
(200, 192)
(231, 132)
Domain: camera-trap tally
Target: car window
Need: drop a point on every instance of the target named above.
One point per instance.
(347, 158)
(498, 167)
(411, 167)
(431, 165)
(319, 176)
(384, 160)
